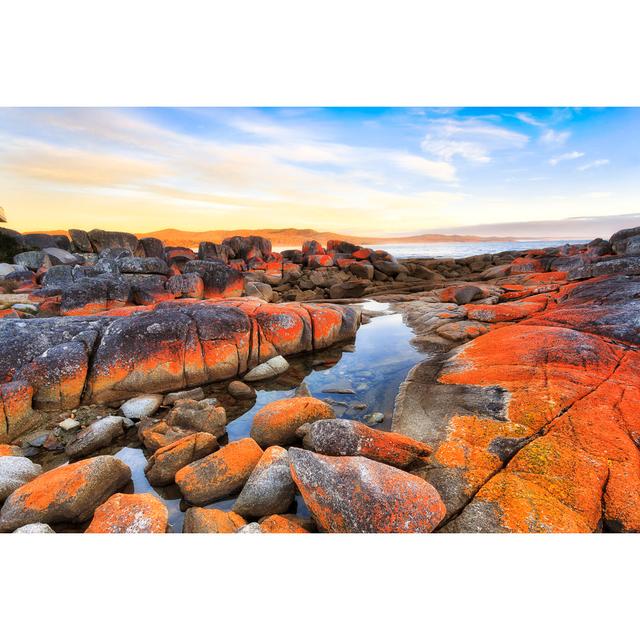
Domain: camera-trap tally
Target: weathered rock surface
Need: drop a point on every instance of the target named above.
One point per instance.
(269, 489)
(281, 524)
(278, 422)
(220, 474)
(66, 494)
(199, 520)
(97, 435)
(36, 527)
(352, 438)
(14, 472)
(130, 513)
(357, 495)
(163, 465)
(141, 406)
(269, 369)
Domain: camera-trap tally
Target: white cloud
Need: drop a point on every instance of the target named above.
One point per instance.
(594, 164)
(554, 138)
(433, 169)
(599, 194)
(572, 155)
(529, 119)
(471, 139)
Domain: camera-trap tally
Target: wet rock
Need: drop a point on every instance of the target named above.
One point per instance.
(220, 474)
(241, 391)
(199, 520)
(189, 394)
(96, 436)
(351, 438)
(36, 527)
(374, 418)
(277, 422)
(281, 524)
(160, 434)
(269, 369)
(14, 472)
(130, 513)
(357, 495)
(163, 465)
(269, 489)
(198, 416)
(141, 406)
(66, 494)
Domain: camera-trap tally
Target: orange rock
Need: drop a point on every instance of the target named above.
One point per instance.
(351, 438)
(65, 494)
(526, 265)
(199, 520)
(220, 474)
(277, 422)
(320, 260)
(10, 450)
(130, 513)
(505, 312)
(280, 524)
(163, 465)
(361, 254)
(160, 434)
(357, 495)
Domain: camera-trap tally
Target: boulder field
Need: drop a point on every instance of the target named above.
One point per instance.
(531, 394)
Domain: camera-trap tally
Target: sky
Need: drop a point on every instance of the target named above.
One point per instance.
(385, 171)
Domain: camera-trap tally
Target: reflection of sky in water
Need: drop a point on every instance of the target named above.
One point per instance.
(374, 370)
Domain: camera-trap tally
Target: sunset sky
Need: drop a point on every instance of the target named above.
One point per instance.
(362, 170)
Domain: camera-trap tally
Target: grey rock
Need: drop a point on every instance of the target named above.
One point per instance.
(80, 240)
(36, 527)
(141, 406)
(143, 265)
(269, 489)
(241, 391)
(252, 527)
(97, 435)
(60, 256)
(14, 472)
(189, 394)
(269, 369)
(33, 260)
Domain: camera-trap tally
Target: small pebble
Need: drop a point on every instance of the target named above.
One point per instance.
(374, 418)
(69, 424)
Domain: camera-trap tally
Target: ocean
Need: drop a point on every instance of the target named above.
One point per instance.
(459, 249)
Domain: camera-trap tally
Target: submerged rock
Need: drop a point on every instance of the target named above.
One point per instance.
(220, 474)
(65, 494)
(241, 391)
(277, 422)
(130, 513)
(357, 495)
(269, 489)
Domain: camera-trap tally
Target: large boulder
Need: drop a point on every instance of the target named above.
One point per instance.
(351, 438)
(220, 281)
(163, 465)
(69, 493)
(213, 251)
(33, 260)
(186, 285)
(197, 415)
(220, 474)
(101, 240)
(620, 239)
(88, 296)
(81, 241)
(277, 422)
(152, 248)
(143, 265)
(61, 256)
(14, 472)
(269, 489)
(248, 247)
(357, 495)
(130, 513)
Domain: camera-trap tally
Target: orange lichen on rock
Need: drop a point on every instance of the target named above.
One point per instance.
(504, 312)
(130, 513)
(66, 494)
(280, 524)
(220, 474)
(10, 450)
(277, 422)
(199, 520)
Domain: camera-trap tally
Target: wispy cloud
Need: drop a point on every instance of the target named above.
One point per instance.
(599, 194)
(472, 139)
(527, 118)
(553, 138)
(593, 165)
(571, 155)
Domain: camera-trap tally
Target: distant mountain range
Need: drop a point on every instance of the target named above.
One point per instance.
(295, 237)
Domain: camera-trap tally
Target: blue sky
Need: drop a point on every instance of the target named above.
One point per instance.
(363, 170)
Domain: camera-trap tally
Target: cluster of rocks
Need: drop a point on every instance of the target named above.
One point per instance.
(530, 393)
(351, 477)
(101, 272)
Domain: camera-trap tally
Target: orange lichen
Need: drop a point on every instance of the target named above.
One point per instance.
(130, 513)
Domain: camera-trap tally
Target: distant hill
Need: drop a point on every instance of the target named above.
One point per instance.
(295, 237)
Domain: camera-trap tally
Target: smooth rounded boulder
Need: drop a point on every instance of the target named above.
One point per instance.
(220, 474)
(141, 406)
(167, 461)
(130, 513)
(352, 438)
(14, 472)
(69, 493)
(97, 435)
(358, 495)
(199, 520)
(269, 489)
(277, 422)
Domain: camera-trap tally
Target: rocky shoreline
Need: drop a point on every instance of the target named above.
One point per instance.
(520, 419)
